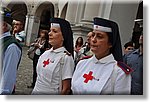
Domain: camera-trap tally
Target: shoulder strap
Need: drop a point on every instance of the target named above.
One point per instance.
(86, 57)
(124, 67)
(67, 53)
(113, 79)
(62, 60)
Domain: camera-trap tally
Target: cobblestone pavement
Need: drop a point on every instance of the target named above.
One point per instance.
(24, 74)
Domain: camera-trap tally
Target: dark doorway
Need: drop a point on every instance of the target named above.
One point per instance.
(45, 11)
(18, 9)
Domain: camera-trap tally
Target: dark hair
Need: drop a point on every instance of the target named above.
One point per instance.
(79, 43)
(130, 43)
(110, 36)
(45, 32)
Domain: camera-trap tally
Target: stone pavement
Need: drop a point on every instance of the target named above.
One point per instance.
(24, 74)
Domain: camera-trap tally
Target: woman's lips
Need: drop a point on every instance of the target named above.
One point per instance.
(50, 38)
(94, 46)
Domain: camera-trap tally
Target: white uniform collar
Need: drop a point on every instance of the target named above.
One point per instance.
(107, 59)
(61, 49)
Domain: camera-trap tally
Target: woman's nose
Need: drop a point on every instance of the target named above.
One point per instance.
(50, 33)
(93, 39)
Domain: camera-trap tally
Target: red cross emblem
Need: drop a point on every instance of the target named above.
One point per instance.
(88, 77)
(46, 62)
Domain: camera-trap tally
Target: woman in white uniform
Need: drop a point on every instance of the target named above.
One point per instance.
(103, 73)
(55, 66)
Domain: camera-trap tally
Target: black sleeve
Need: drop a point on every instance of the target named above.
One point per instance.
(46, 46)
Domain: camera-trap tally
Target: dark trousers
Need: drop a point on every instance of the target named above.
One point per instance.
(35, 61)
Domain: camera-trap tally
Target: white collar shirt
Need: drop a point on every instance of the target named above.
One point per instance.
(20, 36)
(93, 76)
(49, 73)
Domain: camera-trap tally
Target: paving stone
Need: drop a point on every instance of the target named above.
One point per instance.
(24, 74)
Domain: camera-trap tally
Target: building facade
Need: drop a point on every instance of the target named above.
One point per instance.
(79, 13)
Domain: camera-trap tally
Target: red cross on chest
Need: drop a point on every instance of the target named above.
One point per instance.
(88, 77)
(45, 62)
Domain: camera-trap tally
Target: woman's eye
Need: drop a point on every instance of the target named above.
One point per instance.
(100, 36)
(93, 35)
(55, 31)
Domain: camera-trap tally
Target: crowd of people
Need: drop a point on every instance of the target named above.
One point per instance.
(95, 67)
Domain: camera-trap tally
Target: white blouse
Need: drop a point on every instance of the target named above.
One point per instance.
(49, 73)
(102, 76)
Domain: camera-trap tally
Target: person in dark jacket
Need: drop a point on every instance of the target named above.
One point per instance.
(135, 61)
(41, 44)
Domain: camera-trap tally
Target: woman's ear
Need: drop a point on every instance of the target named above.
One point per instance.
(110, 45)
(62, 38)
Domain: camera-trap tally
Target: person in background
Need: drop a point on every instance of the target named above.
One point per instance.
(103, 73)
(86, 50)
(128, 48)
(11, 55)
(55, 66)
(135, 61)
(18, 28)
(78, 46)
(41, 44)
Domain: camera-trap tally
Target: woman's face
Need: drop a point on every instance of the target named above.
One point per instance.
(141, 39)
(80, 40)
(89, 37)
(43, 33)
(55, 37)
(100, 44)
